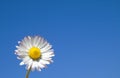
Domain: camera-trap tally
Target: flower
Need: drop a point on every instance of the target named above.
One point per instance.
(35, 52)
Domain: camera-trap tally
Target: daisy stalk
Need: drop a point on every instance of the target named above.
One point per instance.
(28, 72)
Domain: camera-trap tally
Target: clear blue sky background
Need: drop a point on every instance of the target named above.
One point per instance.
(85, 35)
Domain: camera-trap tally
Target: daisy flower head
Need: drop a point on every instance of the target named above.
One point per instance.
(35, 52)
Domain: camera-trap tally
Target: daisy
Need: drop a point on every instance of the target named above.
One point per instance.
(35, 52)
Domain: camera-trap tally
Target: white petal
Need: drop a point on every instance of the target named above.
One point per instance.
(22, 56)
(44, 61)
(26, 43)
(19, 42)
(22, 63)
(26, 59)
(38, 69)
(46, 58)
(34, 65)
(48, 54)
(38, 42)
(21, 48)
(29, 64)
(47, 47)
(35, 40)
(21, 53)
(41, 42)
(29, 42)
(37, 66)
(50, 50)
(41, 65)
(19, 58)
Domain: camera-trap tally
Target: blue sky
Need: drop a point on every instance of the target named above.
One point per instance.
(85, 35)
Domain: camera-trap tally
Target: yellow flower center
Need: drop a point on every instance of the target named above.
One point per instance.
(34, 53)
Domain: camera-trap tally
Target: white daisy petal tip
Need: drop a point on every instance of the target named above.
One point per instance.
(38, 50)
(19, 58)
(19, 42)
(21, 63)
(17, 46)
(39, 69)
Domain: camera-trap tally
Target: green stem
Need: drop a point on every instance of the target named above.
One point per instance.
(28, 72)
